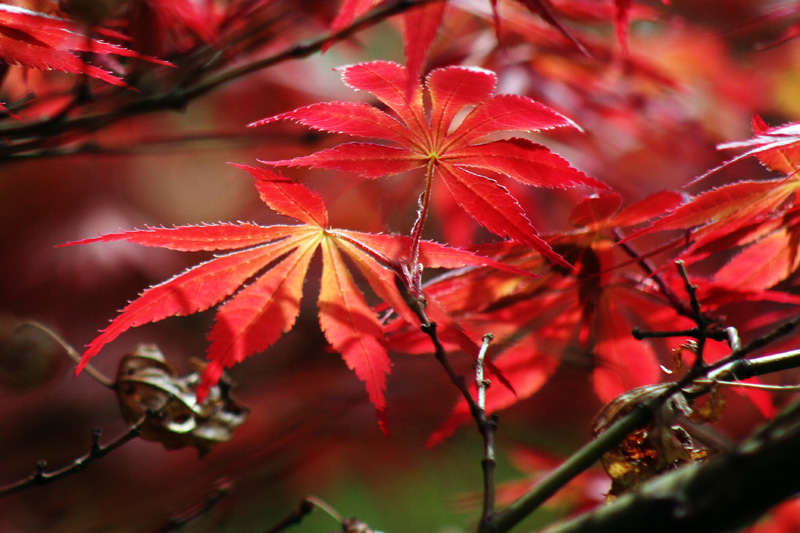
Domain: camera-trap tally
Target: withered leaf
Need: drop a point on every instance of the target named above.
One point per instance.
(660, 445)
(147, 383)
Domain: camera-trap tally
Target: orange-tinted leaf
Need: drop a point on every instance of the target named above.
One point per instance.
(195, 290)
(275, 266)
(778, 147)
(352, 328)
(257, 316)
(380, 278)
(763, 264)
(721, 211)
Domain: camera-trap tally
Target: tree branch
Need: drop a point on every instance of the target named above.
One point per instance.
(45, 133)
(197, 510)
(726, 493)
(97, 451)
(733, 365)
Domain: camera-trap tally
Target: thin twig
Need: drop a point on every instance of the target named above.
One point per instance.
(295, 517)
(732, 334)
(756, 344)
(480, 383)
(477, 408)
(651, 272)
(697, 314)
(487, 428)
(307, 505)
(73, 354)
(199, 509)
(97, 451)
(694, 332)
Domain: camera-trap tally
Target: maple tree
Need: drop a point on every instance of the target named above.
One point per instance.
(610, 298)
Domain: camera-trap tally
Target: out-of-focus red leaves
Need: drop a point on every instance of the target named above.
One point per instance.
(35, 40)
(163, 27)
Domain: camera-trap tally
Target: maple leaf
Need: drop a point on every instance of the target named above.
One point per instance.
(456, 154)
(778, 148)
(35, 40)
(275, 259)
(717, 214)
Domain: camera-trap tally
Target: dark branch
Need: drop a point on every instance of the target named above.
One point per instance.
(97, 451)
(295, 517)
(45, 133)
(643, 413)
(198, 510)
(726, 493)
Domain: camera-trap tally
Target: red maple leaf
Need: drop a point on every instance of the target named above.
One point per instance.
(35, 40)
(258, 314)
(456, 154)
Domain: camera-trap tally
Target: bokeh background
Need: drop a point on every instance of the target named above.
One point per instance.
(697, 73)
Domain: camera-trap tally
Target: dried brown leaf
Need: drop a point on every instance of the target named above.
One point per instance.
(147, 382)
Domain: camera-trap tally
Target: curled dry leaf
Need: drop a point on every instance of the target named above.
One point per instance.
(660, 445)
(147, 382)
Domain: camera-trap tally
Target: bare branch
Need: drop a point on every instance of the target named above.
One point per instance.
(97, 451)
(726, 493)
(198, 510)
(47, 133)
(585, 457)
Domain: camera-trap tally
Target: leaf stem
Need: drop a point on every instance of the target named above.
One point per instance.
(415, 272)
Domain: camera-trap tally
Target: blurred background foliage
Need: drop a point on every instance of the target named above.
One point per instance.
(697, 73)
